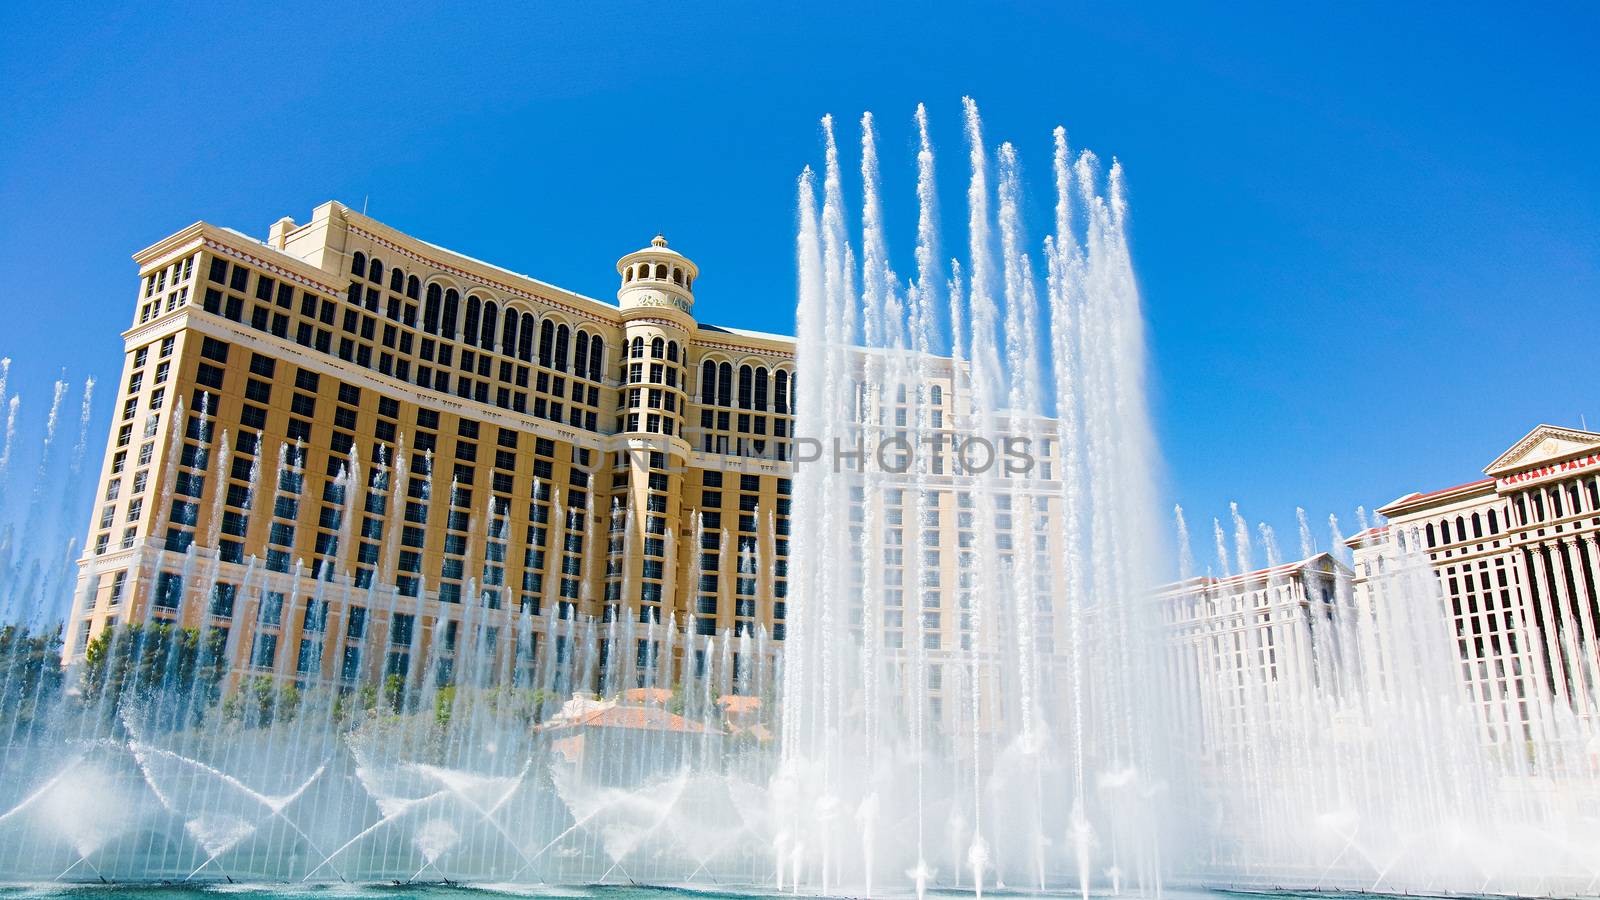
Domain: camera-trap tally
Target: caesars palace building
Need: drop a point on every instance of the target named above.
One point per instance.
(1516, 555)
(345, 404)
(1517, 560)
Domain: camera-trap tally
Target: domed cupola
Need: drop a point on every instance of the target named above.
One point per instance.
(657, 277)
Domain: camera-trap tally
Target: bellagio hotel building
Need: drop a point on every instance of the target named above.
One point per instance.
(345, 403)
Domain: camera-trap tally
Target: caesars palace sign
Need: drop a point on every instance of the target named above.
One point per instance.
(1553, 470)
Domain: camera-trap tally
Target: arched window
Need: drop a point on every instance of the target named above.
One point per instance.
(375, 272)
(563, 336)
(937, 394)
(761, 388)
(525, 340)
(452, 302)
(358, 265)
(397, 280)
(661, 271)
(413, 286)
(1477, 526)
(780, 392)
(672, 351)
(597, 352)
(508, 335)
(627, 274)
(1461, 528)
(636, 349)
(708, 382)
(746, 376)
(677, 275)
(725, 385)
(469, 332)
(658, 348)
(1555, 504)
(1444, 531)
(580, 354)
(1494, 524)
(491, 321)
(547, 337)
(1430, 534)
(430, 309)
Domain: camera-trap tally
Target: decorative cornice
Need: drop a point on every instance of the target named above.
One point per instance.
(657, 322)
(743, 348)
(270, 265)
(163, 249)
(475, 278)
(1519, 451)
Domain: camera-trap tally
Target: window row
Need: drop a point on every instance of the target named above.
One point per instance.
(717, 387)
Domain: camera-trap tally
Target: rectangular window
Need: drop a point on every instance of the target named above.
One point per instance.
(223, 596)
(265, 651)
(356, 628)
(309, 658)
(169, 590)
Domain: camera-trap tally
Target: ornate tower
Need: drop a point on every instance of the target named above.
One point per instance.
(657, 301)
(656, 278)
(656, 297)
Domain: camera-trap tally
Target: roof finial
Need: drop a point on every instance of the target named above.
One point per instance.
(659, 240)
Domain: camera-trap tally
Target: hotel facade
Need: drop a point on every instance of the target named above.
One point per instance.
(348, 451)
(1516, 554)
(346, 406)
(1245, 651)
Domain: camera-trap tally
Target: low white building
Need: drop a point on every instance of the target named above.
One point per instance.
(1243, 648)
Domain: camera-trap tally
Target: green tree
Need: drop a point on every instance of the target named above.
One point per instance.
(154, 675)
(394, 692)
(31, 677)
(258, 702)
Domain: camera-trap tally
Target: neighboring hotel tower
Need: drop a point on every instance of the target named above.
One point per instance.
(1244, 650)
(345, 444)
(1517, 555)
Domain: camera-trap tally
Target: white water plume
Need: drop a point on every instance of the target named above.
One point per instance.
(992, 387)
(1185, 552)
(1221, 542)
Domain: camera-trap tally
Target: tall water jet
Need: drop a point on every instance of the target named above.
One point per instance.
(979, 669)
(1222, 548)
(1185, 552)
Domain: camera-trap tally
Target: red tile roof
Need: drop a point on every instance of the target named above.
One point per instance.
(639, 718)
(1416, 497)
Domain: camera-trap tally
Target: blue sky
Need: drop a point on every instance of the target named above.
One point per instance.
(1368, 235)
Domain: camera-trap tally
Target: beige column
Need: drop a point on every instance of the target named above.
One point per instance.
(1582, 677)
(1578, 560)
(1553, 611)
